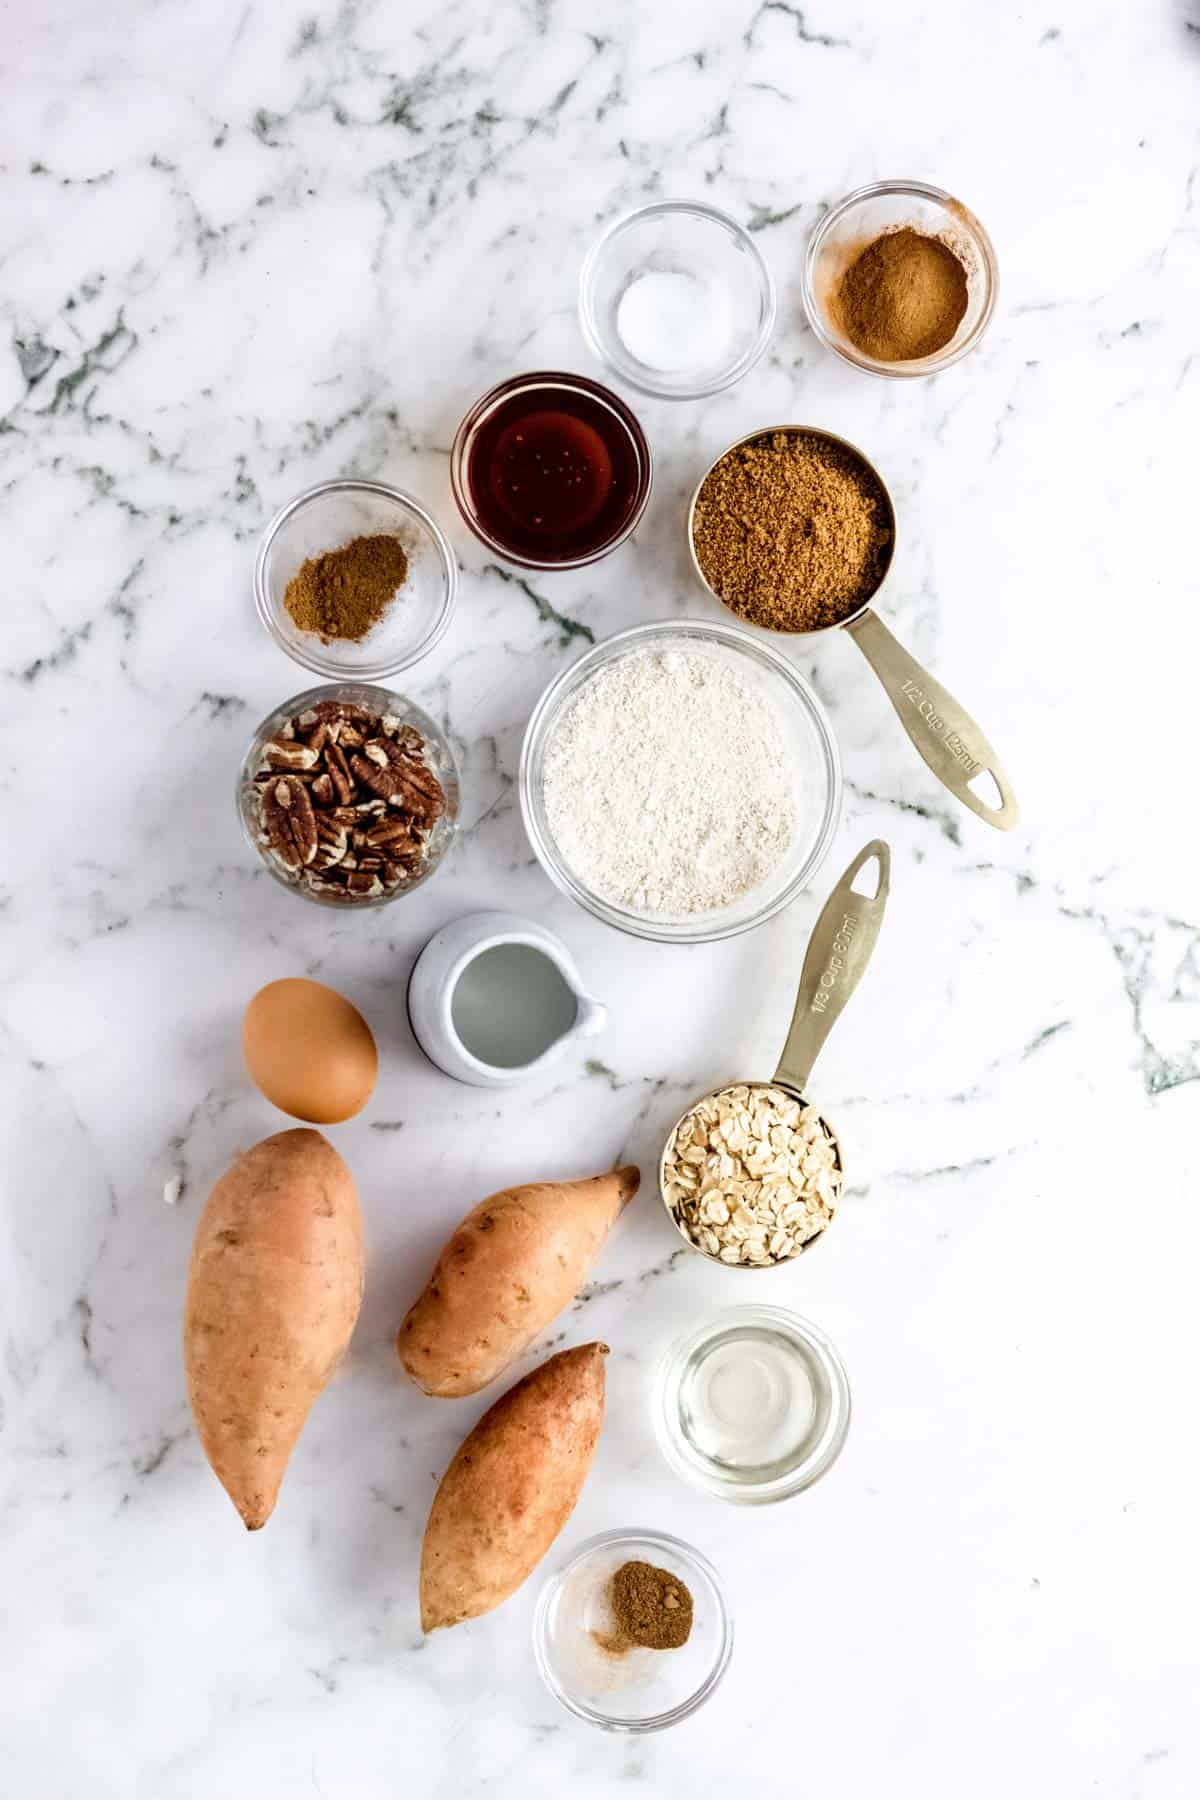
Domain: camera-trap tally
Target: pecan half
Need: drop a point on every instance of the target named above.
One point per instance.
(390, 769)
(338, 771)
(285, 753)
(388, 832)
(289, 821)
(364, 882)
(342, 712)
(332, 843)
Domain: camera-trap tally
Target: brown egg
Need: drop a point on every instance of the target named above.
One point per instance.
(310, 1051)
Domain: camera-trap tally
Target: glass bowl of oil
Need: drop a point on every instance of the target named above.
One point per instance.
(753, 1405)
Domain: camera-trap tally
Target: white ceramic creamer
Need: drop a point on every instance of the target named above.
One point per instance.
(494, 997)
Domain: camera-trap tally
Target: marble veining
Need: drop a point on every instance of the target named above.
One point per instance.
(246, 247)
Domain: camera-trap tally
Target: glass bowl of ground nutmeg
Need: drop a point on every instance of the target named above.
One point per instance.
(633, 1632)
(355, 579)
(900, 279)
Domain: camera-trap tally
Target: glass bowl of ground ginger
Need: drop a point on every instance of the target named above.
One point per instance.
(900, 279)
(633, 1633)
(355, 580)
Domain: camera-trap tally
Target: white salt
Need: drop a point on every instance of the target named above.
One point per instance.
(671, 321)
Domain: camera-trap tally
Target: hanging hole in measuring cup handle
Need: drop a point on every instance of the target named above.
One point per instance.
(986, 789)
(869, 875)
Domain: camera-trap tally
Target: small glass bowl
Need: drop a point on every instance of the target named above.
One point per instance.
(865, 215)
(439, 755)
(779, 1337)
(325, 518)
(548, 382)
(815, 757)
(689, 238)
(644, 1690)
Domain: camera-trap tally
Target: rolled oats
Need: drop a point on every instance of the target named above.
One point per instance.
(751, 1175)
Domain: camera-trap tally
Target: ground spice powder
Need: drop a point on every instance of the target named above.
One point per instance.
(344, 593)
(652, 1610)
(792, 531)
(903, 297)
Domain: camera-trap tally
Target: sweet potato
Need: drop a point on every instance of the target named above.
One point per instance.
(511, 1488)
(274, 1290)
(511, 1267)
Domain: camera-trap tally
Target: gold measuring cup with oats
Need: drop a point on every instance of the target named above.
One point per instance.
(752, 1172)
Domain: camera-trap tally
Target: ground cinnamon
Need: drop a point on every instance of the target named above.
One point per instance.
(652, 1610)
(903, 297)
(344, 593)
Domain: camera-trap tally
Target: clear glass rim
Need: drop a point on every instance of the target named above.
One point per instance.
(929, 365)
(313, 659)
(807, 1473)
(503, 390)
(656, 1721)
(657, 931)
(330, 690)
(632, 374)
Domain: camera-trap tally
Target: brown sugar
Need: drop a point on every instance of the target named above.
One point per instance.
(792, 531)
(903, 297)
(344, 593)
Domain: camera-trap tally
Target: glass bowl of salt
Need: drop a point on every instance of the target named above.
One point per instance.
(676, 300)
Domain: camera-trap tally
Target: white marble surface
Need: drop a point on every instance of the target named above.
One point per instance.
(246, 246)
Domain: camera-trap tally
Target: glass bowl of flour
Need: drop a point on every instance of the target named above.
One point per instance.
(681, 781)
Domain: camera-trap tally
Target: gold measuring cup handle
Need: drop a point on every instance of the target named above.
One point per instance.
(946, 736)
(838, 952)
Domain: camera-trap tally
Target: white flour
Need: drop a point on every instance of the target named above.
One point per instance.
(668, 784)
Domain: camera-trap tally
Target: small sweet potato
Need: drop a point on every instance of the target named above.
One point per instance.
(274, 1289)
(509, 1269)
(511, 1488)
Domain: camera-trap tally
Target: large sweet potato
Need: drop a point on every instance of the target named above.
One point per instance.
(511, 1267)
(511, 1488)
(274, 1290)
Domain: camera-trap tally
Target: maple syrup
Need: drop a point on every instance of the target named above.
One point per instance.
(552, 470)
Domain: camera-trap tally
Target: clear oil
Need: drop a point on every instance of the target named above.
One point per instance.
(752, 1403)
(510, 1004)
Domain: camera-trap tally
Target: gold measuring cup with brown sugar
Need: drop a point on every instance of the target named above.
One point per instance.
(943, 733)
(838, 952)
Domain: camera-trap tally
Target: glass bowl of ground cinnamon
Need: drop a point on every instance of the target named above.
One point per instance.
(355, 579)
(900, 279)
(633, 1633)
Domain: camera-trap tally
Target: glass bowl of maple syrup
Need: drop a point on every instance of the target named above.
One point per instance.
(550, 470)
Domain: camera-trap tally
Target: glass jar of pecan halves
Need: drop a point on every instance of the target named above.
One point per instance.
(349, 793)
